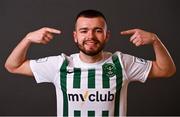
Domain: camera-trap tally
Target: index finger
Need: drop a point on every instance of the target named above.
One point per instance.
(52, 30)
(128, 32)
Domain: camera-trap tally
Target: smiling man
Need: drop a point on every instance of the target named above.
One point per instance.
(91, 82)
(90, 35)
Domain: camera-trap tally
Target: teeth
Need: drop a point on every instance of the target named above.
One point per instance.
(91, 42)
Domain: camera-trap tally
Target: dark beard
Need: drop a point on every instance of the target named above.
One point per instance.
(90, 53)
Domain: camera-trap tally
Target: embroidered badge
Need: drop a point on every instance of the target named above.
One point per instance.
(109, 69)
(41, 60)
(140, 60)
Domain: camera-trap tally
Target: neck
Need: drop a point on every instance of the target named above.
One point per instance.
(91, 59)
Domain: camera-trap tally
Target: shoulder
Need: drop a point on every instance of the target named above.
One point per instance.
(123, 56)
(53, 60)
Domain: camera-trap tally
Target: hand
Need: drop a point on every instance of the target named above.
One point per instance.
(42, 36)
(140, 37)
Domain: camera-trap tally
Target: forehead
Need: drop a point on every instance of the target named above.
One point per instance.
(83, 22)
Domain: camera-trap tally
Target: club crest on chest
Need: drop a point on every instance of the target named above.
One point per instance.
(109, 69)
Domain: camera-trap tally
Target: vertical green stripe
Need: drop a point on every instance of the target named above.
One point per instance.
(116, 106)
(105, 78)
(77, 78)
(91, 78)
(63, 81)
(77, 113)
(91, 113)
(105, 113)
(118, 83)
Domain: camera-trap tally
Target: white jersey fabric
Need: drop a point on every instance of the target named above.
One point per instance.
(96, 89)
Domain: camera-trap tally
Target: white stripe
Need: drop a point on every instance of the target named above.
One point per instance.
(70, 80)
(98, 78)
(84, 79)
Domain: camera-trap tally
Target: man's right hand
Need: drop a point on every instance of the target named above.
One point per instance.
(17, 61)
(42, 36)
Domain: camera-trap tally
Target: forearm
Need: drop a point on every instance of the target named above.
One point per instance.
(163, 66)
(18, 55)
(17, 61)
(163, 60)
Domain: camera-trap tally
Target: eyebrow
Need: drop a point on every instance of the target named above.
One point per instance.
(85, 28)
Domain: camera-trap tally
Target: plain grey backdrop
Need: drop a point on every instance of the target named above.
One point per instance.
(21, 95)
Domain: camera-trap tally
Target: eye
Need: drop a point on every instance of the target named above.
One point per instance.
(83, 31)
(99, 30)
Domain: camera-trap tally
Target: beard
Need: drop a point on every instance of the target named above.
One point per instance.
(91, 52)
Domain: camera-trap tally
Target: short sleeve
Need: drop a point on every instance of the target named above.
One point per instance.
(136, 69)
(45, 69)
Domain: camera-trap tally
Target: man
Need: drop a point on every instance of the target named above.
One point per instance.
(91, 82)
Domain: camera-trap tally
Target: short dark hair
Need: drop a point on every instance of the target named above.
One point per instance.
(90, 14)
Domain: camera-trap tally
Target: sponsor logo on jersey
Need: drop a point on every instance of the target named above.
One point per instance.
(69, 71)
(92, 97)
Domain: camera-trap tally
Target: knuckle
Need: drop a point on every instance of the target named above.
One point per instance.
(137, 44)
(43, 33)
(41, 36)
(139, 36)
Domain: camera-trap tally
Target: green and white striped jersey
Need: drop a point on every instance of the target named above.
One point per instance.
(96, 89)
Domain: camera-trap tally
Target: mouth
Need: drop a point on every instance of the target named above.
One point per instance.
(90, 42)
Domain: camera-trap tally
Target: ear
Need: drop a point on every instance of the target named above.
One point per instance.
(107, 35)
(75, 36)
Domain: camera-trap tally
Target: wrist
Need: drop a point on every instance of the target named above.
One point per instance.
(155, 39)
(27, 39)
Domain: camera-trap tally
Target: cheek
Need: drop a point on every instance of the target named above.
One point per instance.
(80, 38)
(103, 39)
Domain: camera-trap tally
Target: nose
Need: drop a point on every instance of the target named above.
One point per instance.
(91, 34)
